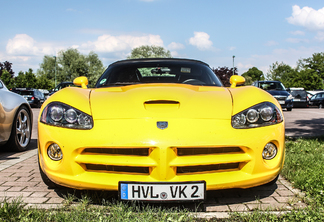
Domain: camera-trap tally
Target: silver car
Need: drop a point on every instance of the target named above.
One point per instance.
(15, 120)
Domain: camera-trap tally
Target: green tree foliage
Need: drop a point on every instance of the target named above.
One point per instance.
(27, 80)
(31, 81)
(69, 65)
(309, 73)
(147, 51)
(44, 83)
(281, 72)
(315, 63)
(253, 74)
(6, 66)
(20, 80)
(7, 79)
(308, 79)
(224, 74)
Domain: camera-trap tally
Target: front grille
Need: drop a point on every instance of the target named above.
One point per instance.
(156, 161)
(207, 168)
(280, 97)
(118, 151)
(120, 169)
(207, 150)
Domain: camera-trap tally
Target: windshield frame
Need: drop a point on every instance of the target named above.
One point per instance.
(172, 71)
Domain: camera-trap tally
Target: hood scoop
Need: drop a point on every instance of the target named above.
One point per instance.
(162, 105)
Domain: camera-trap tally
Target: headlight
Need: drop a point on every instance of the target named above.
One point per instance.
(290, 97)
(262, 114)
(62, 115)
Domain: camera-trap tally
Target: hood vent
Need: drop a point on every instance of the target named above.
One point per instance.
(158, 102)
(161, 105)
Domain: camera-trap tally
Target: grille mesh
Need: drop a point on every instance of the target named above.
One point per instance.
(118, 151)
(207, 150)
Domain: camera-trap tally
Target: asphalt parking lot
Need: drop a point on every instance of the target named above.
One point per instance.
(19, 177)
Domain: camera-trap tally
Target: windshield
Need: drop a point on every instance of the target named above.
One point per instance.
(271, 86)
(165, 71)
(298, 93)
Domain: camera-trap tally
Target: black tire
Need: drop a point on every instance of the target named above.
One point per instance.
(272, 181)
(45, 179)
(21, 130)
(289, 109)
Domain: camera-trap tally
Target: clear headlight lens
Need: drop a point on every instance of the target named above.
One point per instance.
(269, 151)
(62, 115)
(262, 114)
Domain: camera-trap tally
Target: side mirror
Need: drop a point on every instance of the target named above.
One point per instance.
(81, 81)
(236, 80)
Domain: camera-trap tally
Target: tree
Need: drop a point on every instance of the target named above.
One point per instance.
(6, 66)
(69, 65)
(44, 83)
(31, 81)
(315, 63)
(281, 72)
(95, 67)
(20, 80)
(26, 80)
(308, 79)
(7, 79)
(224, 74)
(147, 51)
(253, 74)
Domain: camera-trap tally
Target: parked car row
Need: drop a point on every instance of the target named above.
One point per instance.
(278, 91)
(317, 100)
(34, 97)
(291, 97)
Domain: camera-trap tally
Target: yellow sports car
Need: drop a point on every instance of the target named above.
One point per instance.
(160, 130)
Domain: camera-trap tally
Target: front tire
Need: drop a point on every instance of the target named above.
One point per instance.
(289, 109)
(21, 130)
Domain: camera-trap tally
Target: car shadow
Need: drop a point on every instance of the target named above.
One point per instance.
(213, 198)
(7, 154)
(314, 128)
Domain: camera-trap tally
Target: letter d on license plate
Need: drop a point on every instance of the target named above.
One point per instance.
(184, 191)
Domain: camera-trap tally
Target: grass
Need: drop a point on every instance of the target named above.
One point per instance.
(304, 168)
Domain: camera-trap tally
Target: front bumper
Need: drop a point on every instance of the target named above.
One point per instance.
(136, 150)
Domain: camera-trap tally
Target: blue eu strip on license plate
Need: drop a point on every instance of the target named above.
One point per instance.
(184, 191)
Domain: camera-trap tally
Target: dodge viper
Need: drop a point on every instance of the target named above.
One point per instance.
(160, 130)
(15, 120)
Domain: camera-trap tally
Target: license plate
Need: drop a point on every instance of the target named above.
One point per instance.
(281, 102)
(142, 191)
(296, 99)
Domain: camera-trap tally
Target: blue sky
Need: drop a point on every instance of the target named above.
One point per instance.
(258, 33)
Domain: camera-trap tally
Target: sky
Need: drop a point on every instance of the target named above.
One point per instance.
(258, 33)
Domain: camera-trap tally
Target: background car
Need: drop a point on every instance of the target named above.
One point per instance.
(317, 100)
(15, 120)
(60, 86)
(34, 97)
(300, 98)
(45, 92)
(278, 91)
(160, 130)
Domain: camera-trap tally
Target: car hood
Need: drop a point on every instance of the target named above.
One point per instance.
(278, 92)
(161, 101)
